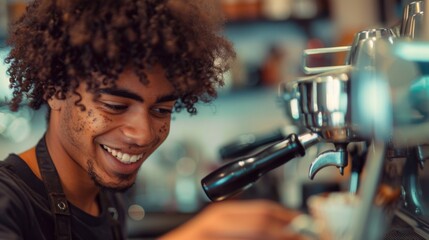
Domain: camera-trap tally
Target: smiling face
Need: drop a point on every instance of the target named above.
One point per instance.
(115, 134)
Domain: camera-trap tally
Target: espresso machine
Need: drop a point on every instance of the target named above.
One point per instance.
(374, 110)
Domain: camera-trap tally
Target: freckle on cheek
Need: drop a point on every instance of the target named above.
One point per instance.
(163, 129)
(80, 126)
(108, 119)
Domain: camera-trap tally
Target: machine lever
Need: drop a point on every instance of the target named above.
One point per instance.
(248, 142)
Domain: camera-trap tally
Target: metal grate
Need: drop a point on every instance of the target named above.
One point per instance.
(400, 230)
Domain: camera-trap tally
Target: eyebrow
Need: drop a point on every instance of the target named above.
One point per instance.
(128, 94)
(167, 98)
(120, 93)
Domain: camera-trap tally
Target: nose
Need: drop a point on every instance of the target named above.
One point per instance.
(139, 130)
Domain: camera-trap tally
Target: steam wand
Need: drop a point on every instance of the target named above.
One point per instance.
(240, 174)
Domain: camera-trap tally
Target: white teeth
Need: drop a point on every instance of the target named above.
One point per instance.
(123, 157)
(133, 158)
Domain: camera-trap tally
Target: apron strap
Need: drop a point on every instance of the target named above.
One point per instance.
(58, 202)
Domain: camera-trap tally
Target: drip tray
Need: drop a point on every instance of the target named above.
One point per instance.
(400, 230)
(407, 227)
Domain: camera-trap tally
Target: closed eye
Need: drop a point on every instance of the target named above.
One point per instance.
(115, 107)
(162, 112)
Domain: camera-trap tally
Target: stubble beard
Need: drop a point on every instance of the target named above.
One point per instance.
(112, 187)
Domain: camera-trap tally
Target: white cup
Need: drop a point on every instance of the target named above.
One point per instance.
(333, 214)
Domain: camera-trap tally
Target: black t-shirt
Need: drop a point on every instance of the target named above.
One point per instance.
(25, 212)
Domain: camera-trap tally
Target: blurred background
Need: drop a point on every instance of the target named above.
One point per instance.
(269, 37)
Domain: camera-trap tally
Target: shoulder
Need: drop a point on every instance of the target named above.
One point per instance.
(10, 170)
(15, 207)
(17, 184)
(12, 186)
(8, 174)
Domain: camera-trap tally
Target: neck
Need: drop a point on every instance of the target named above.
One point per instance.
(77, 185)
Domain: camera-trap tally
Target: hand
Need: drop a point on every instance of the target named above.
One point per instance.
(234, 219)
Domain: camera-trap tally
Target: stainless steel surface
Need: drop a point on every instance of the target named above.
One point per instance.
(324, 102)
(354, 182)
(418, 228)
(409, 19)
(364, 44)
(324, 105)
(385, 34)
(370, 98)
(408, 98)
(411, 106)
(308, 139)
(413, 200)
(364, 214)
(419, 90)
(316, 51)
(422, 154)
(414, 28)
(289, 95)
(337, 158)
(325, 99)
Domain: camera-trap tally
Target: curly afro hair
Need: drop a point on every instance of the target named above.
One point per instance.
(58, 43)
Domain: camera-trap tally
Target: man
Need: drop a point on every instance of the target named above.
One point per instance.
(112, 73)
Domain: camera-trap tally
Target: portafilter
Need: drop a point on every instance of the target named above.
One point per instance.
(324, 102)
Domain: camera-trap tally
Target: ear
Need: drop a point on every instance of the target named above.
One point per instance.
(55, 103)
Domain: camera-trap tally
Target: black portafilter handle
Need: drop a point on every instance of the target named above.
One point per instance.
(248, 142)
(240, 174)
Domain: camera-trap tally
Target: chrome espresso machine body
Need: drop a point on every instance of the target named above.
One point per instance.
(374, 109)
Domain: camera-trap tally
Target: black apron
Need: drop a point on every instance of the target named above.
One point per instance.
(58, 202)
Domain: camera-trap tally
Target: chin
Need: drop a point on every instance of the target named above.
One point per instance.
(116, 188)
(121, 186)
(122, 182)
